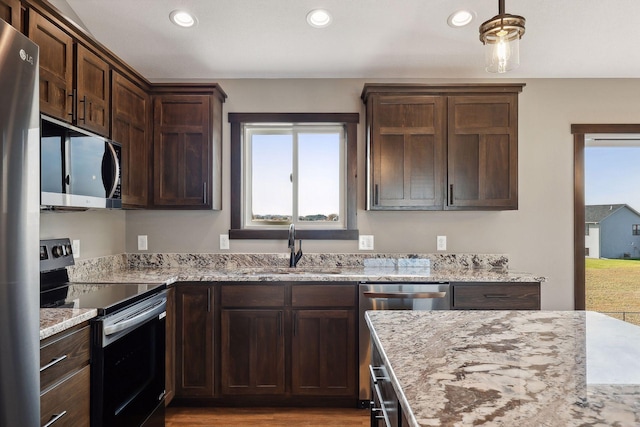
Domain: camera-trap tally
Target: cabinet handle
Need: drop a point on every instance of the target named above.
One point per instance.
(382, 409)
(53, 362)
(208, 300)
(375, 195)
(295, 324)
(496, 296)
(73, 112)
(280, 332)
(84, 109)
(55, 417)
(451, 194)
(204, 192)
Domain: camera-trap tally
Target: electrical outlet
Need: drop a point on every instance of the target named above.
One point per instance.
(142, 243)
(224, 241)
(365, 243)
(441, 243)
(75, 248)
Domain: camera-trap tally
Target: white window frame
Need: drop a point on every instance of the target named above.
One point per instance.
(293, 129)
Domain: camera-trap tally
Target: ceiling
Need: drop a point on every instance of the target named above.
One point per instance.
(367, 38)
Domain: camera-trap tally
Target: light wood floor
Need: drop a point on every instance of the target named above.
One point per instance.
(266, 417)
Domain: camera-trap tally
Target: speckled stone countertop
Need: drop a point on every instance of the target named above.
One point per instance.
(153, 268)
(170, 268)
(511, 368)
(54, 320)
(278, 274)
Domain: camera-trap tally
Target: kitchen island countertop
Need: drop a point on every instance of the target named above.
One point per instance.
(511, 368)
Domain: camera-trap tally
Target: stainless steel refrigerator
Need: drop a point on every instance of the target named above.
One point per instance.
(19, 230)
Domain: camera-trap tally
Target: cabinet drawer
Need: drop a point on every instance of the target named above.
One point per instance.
(252, 296)
(68, 402)
(323, 295)
(524, 296)
(62, 355)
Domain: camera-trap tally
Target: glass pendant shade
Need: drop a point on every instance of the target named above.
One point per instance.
(502, 52)
(501, 38)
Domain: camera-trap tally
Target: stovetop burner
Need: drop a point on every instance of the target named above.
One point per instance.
(56, 291)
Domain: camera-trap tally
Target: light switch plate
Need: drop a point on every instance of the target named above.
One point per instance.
(441, 243)
(75, 248)
(142, 243)
(365, 243)
(224, 241)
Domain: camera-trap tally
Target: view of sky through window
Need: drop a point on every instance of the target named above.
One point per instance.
(318, 175)
(612, 175)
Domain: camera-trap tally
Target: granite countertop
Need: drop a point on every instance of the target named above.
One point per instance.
(323, 274)
(55, 320)
(238, 268)
(511, 368)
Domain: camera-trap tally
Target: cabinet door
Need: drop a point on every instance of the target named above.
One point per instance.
(68, 402)
(194, 341)
(93, 83)
(407, 152)
(130, 114)
(252, 352)
(324, 352)
(483, 152)
(496, 296)
(56, 66)
(182, 151)
(10, 12)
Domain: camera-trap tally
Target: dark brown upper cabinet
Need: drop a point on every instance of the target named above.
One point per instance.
(92, 92)
(130, 126)
(10, 13)
(187, 143)
(407, 151)
(442, 147)
(56, 66)
(73, 89)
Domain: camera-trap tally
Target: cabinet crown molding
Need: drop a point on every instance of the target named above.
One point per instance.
(438, 89)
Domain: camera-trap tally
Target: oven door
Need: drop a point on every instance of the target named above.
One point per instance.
(128, 366)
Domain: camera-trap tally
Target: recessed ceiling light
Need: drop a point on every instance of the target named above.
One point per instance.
(182, 18)
(460, 18)
(319, 18)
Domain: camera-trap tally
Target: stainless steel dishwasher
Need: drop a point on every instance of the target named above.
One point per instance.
(393, 296)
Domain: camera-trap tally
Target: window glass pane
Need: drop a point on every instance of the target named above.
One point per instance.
(271, 168)
(319, 177)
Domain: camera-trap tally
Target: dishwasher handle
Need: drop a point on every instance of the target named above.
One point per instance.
(413, 295)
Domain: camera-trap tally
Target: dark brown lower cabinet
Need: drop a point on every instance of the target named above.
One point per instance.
(322, 356)
(65, 378)
(194, 340)
(253, 348)
(496, 296)
(386, 410)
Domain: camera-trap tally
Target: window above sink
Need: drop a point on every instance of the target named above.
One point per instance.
(295, 168)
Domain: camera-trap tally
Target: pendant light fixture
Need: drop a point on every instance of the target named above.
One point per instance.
(501, 37)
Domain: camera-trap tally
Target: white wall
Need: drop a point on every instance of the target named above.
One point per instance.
(538, 237)
(592, 241)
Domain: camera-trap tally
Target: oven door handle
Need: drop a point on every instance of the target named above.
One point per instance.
(137, 318)
(414, 295)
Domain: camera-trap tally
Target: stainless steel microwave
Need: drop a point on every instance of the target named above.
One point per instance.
(78, 169)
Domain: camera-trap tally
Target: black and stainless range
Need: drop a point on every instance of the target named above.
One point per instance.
(128, 339)
(393, 296)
